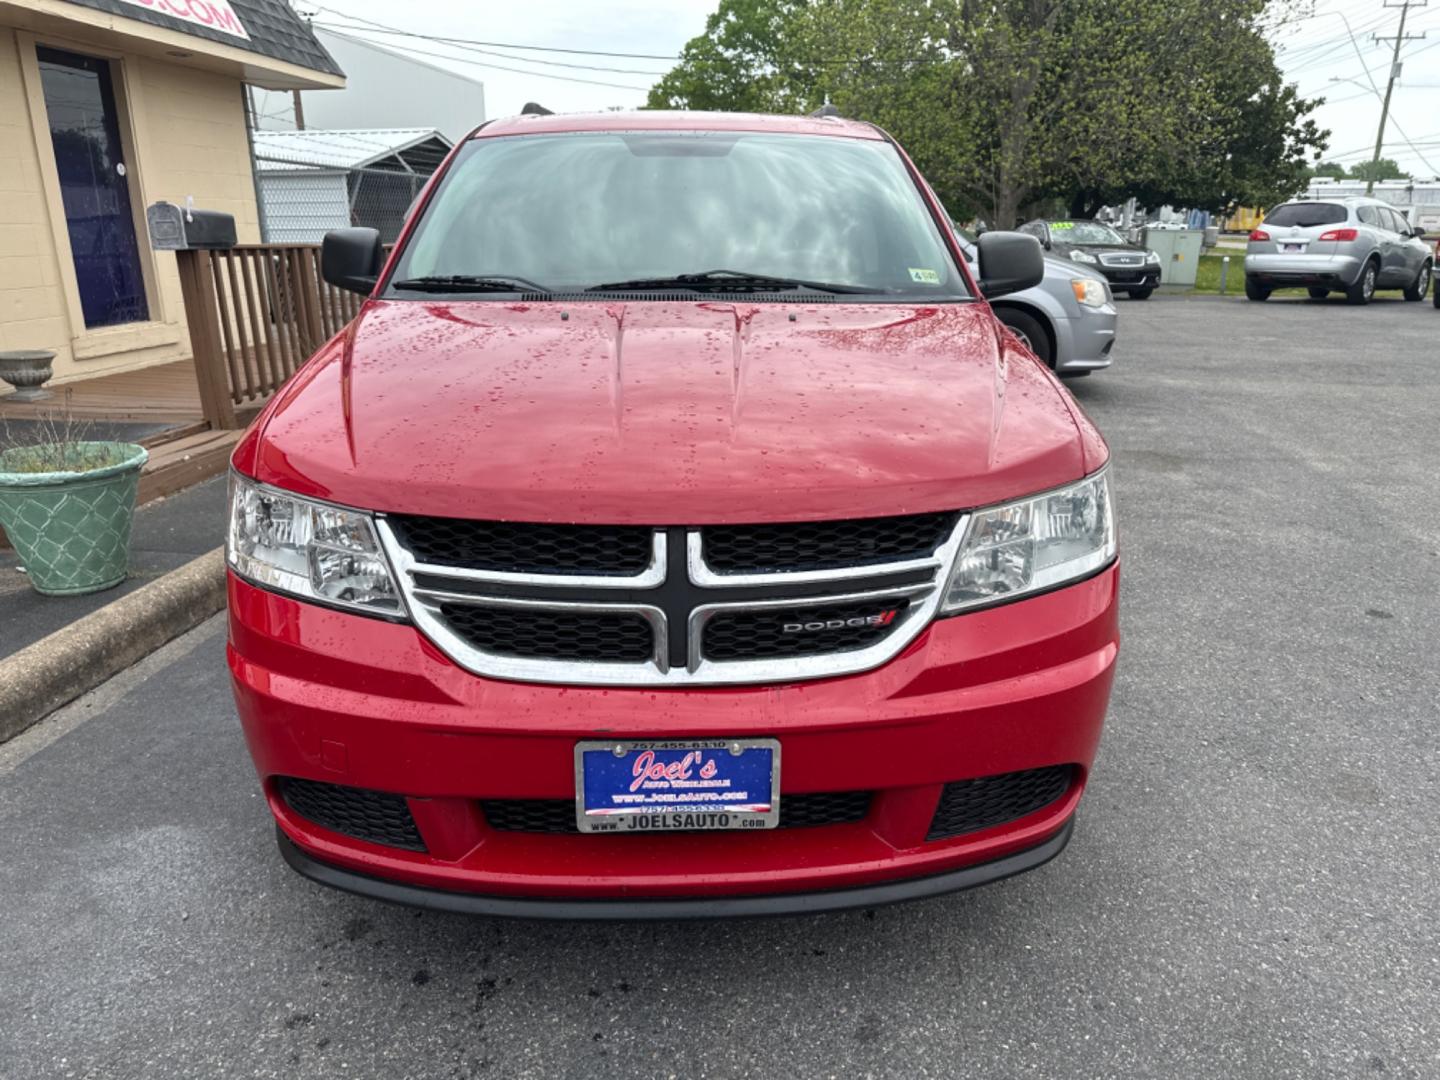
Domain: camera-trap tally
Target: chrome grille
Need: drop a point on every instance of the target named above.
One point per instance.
(614, 550)
(1109, 259)
(812, 600)
(552, 635)
(822, 545)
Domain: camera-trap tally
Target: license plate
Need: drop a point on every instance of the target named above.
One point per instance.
(1290, 249)
(633, 787)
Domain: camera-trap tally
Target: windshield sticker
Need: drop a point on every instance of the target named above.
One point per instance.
(1062, 225)
(925, 277)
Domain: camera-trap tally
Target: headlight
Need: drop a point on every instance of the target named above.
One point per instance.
(1089, 291)
(1033, 544)
(1151, 256)
(308, 549)
(1083, 256)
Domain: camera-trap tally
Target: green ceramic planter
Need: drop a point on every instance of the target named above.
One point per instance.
(71, 529)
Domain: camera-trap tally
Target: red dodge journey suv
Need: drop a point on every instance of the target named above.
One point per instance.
(674, 532)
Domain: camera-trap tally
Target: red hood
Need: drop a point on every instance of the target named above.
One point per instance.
(665, 413)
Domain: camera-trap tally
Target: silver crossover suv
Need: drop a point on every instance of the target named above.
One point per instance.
(1354, 245)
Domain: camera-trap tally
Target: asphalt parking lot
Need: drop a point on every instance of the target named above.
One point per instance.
(1251, 890)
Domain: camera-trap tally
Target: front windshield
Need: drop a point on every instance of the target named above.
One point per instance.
(1085, 232)
(572, 211)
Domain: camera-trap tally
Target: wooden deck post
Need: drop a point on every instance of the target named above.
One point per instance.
(197, 288)
(312, 326)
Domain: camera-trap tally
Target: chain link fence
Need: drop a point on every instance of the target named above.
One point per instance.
(301, 201)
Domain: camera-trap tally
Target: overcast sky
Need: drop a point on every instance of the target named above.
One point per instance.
(1314, 51)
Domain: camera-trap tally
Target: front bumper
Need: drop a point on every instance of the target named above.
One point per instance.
(1331, 271)
(1084, 341)
(1130, 279)
(347, 700)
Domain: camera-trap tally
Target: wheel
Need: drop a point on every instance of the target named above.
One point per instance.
(1364, 287)
(1420, 286)
(1140, 294)
(1030, 331)
(1255, 291)
(1317, 294)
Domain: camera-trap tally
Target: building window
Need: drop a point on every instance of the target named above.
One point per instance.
(90, 161)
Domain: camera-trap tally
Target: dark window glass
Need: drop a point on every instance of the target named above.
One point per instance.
(1085, 232)
(1306, 215)
(572, 211)
(80, 104)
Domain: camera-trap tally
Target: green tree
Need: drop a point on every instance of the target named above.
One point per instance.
(1382, 169)
(738, 63)
(1329, 168)
(1010, 104)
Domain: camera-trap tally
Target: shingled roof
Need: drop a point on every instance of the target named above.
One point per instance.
(275, 30)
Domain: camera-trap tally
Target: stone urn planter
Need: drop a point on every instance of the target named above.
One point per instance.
(27, 370)
(67, 509)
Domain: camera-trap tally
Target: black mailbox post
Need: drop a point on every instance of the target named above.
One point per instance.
(181, 228)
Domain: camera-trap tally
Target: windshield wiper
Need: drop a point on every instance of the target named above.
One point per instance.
(458, 283)
(727, 280)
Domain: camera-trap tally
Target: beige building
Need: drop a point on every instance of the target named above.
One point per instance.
(107, 106)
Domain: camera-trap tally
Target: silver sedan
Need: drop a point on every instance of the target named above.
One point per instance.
(1068, 320)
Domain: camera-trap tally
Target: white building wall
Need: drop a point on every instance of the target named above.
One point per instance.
(300, 208)
(386, 89)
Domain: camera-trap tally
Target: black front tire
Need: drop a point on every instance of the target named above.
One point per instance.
(1255, 291)
(1031, 333)
(1364, 288)
(1317, 294)
(1140, 294)
(1417, 289)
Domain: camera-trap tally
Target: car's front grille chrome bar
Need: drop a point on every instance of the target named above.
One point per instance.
(677, 595)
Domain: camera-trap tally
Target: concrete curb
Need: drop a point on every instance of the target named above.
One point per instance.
(56, 670)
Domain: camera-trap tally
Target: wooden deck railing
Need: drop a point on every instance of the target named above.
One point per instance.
(256, 313)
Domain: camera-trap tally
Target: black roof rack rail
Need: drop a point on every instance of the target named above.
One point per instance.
(825, 110)
(534, 108)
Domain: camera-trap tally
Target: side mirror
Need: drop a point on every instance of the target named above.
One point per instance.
(1418, 233)
(1009, 263)
(351, 259)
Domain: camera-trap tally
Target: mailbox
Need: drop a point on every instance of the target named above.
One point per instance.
(183, 228)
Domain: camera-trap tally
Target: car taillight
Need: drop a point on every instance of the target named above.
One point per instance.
(1259, 234)
(1340, 235)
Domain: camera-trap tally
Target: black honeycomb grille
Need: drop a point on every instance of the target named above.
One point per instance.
(823, 545)
(558, 815)
(537, 634)
(971, 805)
(374, 816)
(803, 631)
(606, 550)
(823, 808)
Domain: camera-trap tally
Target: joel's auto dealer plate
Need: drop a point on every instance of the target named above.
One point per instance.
(635, 787)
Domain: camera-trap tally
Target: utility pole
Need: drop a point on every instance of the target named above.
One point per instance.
(1400, 38)
(300, 107)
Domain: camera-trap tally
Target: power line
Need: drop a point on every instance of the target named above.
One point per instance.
(503, 56)
(524, 71)
(383, 28)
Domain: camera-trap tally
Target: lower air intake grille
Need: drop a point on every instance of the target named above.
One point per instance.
(534, 633)
(971, 805)
(375, 816)
(805, 631)
(558, 815)
(823, 545)
(523, 548)
(823, 808)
